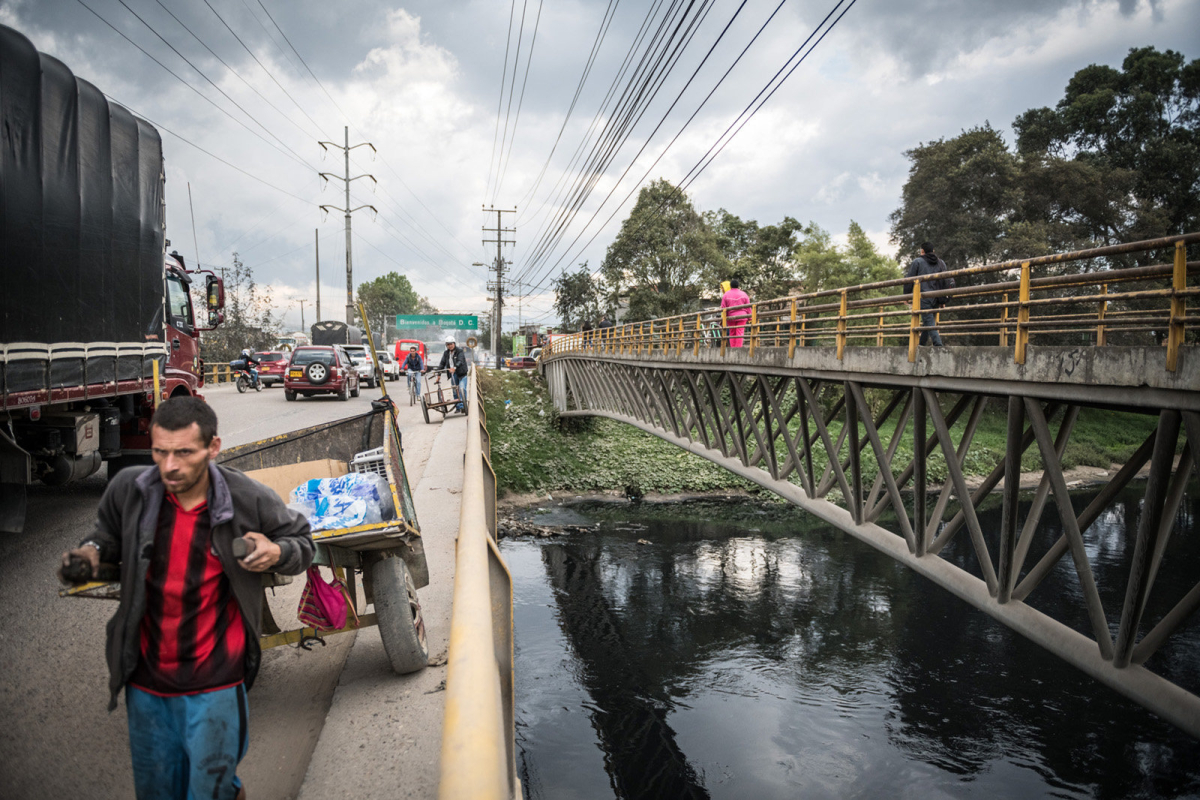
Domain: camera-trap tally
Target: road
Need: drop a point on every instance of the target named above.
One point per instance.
(58, 739)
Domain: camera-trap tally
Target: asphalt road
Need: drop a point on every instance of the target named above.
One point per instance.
(58, 740)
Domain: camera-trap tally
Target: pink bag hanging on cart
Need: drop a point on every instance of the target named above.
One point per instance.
(325, 605)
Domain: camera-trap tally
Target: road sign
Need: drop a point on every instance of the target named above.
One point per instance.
(462, 322)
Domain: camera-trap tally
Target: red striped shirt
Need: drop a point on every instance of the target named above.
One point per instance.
(192, 636)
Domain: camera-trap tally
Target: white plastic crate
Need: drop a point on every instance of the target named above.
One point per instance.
(369, 461)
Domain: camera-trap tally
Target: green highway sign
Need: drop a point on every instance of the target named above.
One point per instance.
(463, 322)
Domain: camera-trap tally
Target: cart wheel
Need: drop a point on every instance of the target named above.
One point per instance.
(401, 625)
(425, 410)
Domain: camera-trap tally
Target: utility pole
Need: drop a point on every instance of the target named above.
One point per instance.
(498, 267)
(317, 243)
(347, 210)
(302, 302)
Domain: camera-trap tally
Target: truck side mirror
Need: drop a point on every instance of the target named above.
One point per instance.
(215, 318)
(214, 289)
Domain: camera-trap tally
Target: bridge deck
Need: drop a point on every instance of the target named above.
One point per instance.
(1130, 377)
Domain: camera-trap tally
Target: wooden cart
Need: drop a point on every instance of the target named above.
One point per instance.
(390, 554)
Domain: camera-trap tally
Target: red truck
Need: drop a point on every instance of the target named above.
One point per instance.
(96, 319)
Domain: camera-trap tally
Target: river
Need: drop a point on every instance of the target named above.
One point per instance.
(738, 648)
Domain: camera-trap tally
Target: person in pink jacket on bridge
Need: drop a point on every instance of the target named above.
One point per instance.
(736, 320)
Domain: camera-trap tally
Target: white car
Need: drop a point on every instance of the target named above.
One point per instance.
(391, 367)
(362, 364)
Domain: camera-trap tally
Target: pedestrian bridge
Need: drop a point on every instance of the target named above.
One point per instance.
(831, 404)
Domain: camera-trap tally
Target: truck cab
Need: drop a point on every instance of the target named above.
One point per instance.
(184, 373)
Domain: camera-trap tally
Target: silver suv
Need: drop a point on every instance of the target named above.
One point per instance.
(362, 364)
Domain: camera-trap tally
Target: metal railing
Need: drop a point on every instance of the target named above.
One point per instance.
(478, 735)
(1094, 304)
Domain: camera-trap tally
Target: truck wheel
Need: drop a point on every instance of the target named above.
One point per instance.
(401, 625)
(289, 394)
(425, 410)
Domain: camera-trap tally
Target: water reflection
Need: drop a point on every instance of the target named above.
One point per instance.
(749, 652)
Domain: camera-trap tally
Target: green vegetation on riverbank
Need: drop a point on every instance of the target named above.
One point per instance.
(531, 453)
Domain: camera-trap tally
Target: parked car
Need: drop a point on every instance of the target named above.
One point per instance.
(317, 369)
(363, 364)
(271, 365)
(391, 367)
(520, 362)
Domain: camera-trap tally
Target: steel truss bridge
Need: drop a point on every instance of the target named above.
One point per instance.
(816, 376)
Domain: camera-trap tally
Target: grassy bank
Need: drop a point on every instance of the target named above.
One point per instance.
(532, 453)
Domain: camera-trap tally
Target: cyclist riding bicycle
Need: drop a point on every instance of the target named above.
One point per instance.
(413, 365)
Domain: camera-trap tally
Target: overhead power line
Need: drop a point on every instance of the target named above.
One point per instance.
(743, 118)
(605, 23)
(657, 61)
(512, 7)
(201, 73)
(209, 153)
(270, 74)
(521, 100)
(678, 133)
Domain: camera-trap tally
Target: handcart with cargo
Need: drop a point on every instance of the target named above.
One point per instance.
(389, 553)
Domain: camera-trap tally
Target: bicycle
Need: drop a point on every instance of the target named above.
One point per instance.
(413, 386)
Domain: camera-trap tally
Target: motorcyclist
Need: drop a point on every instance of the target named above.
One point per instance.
(455, 360)
(413, 365)
(251, 365)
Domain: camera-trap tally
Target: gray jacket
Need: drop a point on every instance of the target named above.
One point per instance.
(125, 529)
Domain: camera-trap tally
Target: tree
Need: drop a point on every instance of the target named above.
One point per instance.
(577, 298)
(960, 194)
(1140, 123)
(387, 296)
(822, 265)
(249, 321)
(664, 256)
(761, 258)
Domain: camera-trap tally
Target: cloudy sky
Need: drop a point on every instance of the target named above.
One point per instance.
(246, 90)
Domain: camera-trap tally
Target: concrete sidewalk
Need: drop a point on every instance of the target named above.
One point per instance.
(383, 734)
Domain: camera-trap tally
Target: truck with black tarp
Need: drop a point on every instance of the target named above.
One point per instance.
(333, 331)
(96, 319)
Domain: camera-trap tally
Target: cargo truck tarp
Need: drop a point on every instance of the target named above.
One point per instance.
(81, 225)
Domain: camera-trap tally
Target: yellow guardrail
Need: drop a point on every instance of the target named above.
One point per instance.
(219, 373)
(1024, 298)
(478, 736)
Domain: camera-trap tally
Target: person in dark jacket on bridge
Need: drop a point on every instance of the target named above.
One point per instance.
(183, 643)
(925, 267)
(455, 360)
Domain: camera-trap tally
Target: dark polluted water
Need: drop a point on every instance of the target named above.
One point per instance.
(740, 649)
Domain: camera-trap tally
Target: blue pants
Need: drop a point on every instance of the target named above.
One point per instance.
(188, 747)
(461, 385)
(929, 320)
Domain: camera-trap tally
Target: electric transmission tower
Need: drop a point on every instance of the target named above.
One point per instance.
(347, 210)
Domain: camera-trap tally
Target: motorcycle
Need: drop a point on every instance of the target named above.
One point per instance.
(245, 379)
